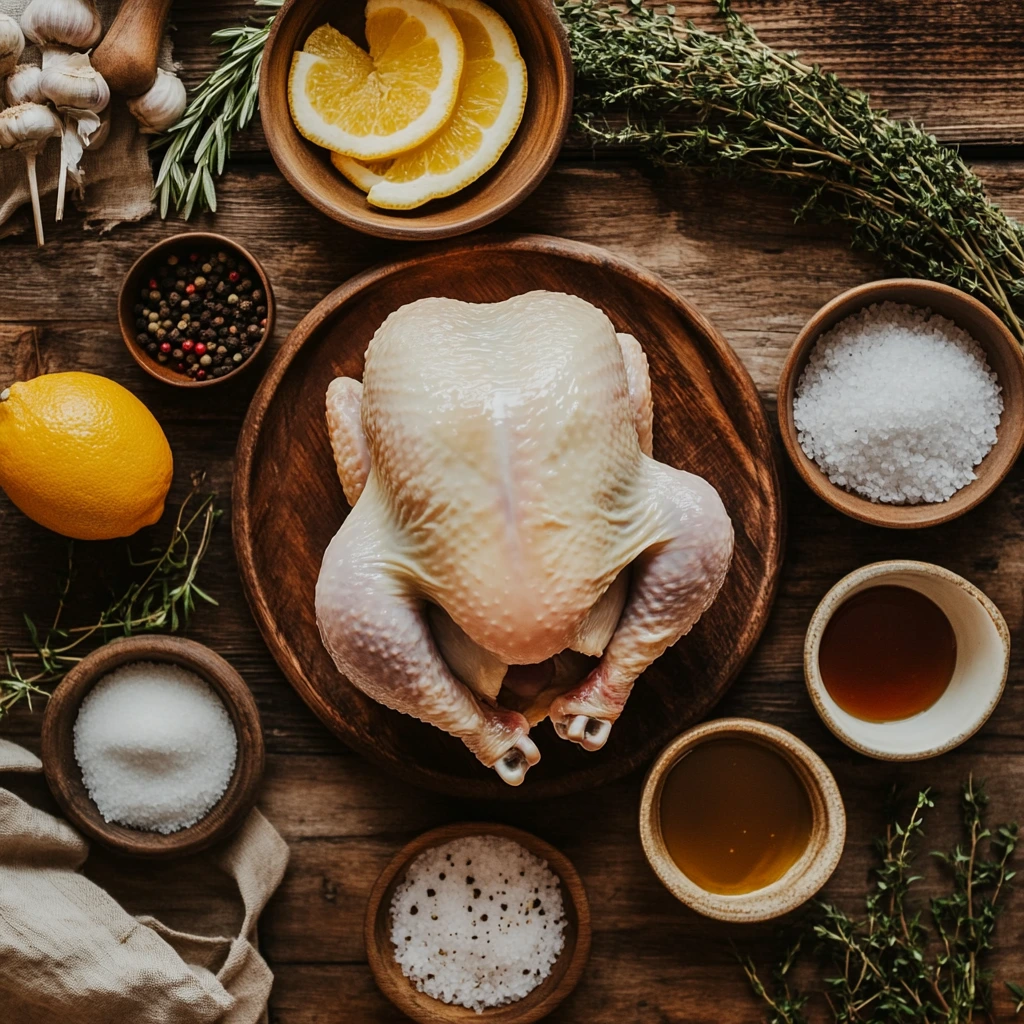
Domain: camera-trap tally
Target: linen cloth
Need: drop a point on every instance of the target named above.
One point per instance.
(118, 176)
(70, 952)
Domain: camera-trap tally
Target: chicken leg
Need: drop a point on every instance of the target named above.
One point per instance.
(675, 580)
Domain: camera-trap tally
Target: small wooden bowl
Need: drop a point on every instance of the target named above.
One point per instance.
(803, 879)
(979, 677)
(64, 776)
(529, 156)
(142, 271)
(1004, 356)
(423, 1008)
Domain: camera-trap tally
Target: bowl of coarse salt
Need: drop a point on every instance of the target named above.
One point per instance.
(477, 922)
(901, 403)
(153, 747)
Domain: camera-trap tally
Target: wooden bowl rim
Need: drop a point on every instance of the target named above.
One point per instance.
(563, 74)
(579, 252)
(154, 369)
(399, 990)
(803, 879)
(878, 573)
(907, 517)
(64, 777)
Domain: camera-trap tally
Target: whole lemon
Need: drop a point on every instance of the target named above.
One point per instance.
(82, 455)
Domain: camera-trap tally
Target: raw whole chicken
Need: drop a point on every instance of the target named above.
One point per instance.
(513, 551)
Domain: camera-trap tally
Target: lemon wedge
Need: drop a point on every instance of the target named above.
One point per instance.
(377, 104)
(488, 109)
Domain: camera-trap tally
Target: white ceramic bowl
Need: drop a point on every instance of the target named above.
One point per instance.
(982, 661)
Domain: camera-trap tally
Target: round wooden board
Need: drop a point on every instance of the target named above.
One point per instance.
(708, 419)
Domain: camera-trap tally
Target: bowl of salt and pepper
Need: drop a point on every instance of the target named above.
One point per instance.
(196, 309)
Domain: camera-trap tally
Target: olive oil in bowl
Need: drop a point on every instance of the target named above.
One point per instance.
(734, 815)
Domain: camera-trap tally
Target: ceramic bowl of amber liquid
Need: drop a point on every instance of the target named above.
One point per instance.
(754, 838)
(964, 701)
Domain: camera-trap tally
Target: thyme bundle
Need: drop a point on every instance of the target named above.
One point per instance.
(163, 599)
(890, 967)
(685, 96)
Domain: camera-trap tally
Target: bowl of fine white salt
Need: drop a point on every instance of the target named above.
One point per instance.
(152, 746)
(477, 922)
(901, 403)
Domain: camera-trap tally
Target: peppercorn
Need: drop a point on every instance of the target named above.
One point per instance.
(200, 375)
(200, 348)
(143, 338)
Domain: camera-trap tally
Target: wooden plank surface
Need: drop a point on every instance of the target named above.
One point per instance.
(734, 253)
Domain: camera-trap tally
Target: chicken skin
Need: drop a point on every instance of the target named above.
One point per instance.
(513, 550)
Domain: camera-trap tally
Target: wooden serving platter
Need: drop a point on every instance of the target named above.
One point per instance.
(708, 419)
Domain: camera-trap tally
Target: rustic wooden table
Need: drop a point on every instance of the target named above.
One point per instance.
(957, 66)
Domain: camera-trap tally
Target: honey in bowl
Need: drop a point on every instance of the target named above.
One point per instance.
(735, 816)
(887, 653)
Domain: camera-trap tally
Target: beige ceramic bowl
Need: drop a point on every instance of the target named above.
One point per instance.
(803, 879)
(982, 661)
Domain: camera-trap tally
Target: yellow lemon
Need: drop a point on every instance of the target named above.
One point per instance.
(83, 456)
(487, 113)
(374, 105)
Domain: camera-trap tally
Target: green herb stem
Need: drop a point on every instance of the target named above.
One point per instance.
(199, 145)
(164, 599)
(684, 96)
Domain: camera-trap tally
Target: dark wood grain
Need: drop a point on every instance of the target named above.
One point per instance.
(565, 972)
(1004, 357)
(64, 775)
(733, 252)
(520, 169)
(708, 420)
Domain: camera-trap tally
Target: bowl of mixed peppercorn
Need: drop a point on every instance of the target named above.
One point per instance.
(195, 309)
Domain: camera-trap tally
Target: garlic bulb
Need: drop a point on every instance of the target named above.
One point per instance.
(23, 85)
(12, 43)
(160, 107)
(26, 128)
(74, 83)
(79, 92)
(74, 23)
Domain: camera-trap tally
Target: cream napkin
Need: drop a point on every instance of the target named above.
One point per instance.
(70, 952)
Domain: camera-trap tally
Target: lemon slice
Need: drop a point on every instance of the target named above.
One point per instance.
(487, 113)
(374, 105)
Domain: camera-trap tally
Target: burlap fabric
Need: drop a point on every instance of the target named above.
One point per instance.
(69, 952)
(118, 178)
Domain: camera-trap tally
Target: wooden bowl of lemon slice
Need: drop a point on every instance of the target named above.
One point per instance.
(416, 119)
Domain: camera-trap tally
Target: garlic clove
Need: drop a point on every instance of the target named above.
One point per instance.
(99, 137)
(74, 83)
(12, 44)
(23, 85)
(74, 23)
(162, 106)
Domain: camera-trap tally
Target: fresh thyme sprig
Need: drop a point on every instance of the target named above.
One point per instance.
(163, 599)
(200, 143)
(891, 968)
(686, 96)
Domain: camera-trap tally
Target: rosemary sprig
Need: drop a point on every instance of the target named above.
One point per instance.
(163, 599)
(727, 101)
(889, 967)
(200, 143)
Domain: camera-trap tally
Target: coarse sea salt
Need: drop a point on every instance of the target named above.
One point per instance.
(478, 922)
(156, 746)
(897, 404)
